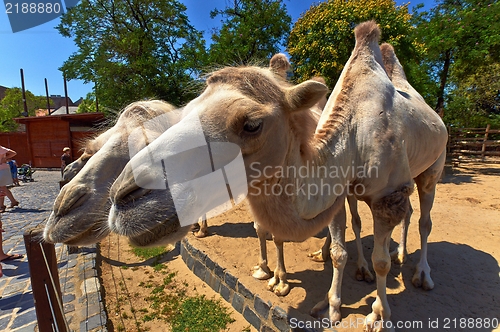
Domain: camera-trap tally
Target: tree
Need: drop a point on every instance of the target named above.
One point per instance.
(133, 50)
(12, 106)
(252, 31)
(461, 39)
(88, 104)
(322, 39)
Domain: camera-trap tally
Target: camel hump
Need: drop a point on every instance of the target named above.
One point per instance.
(367, 32)
(389, 58)
(393, 67)
(279, 64)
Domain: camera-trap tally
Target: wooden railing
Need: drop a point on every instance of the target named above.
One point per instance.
(473, 141)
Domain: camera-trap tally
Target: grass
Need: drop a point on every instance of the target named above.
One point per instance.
(168, 300)
(147, 253)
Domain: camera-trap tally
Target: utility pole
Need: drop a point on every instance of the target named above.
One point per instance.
(25, 113)
(47, 94)
(66, 94)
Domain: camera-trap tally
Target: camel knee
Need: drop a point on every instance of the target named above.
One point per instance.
(382, 266)
(338, 255)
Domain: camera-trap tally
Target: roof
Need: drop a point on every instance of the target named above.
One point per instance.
(62, 110)
(82, 119)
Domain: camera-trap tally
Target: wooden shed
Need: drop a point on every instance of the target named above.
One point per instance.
(45, 137)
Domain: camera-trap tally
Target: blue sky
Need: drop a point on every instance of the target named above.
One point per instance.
(40, 51)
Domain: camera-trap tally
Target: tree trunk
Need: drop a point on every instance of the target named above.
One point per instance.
(443, 78)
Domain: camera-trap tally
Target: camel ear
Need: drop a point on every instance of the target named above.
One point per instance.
(304, 95)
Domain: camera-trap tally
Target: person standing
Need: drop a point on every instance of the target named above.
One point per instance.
(13, 170)
(65, 159)
(6, 178)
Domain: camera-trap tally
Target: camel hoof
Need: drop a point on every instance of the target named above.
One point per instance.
(398, 257)
(279, 288)
(374, 324)
(318, 256)
(362, 273)
(318, 309)
(200, 234)
(261, 274)
(422, 279)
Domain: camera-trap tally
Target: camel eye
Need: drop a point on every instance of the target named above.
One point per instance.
(252, 126)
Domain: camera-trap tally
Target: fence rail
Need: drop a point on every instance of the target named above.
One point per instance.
(473, 141)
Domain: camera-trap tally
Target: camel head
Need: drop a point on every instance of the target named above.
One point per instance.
(80, 210)
(244, 126)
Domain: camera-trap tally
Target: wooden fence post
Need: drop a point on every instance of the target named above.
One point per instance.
(483, 149)
(45, 282)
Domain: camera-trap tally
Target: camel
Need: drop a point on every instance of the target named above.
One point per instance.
(373, 140)
(80, 210)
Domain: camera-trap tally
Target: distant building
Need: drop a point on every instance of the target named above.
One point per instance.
(3, 90)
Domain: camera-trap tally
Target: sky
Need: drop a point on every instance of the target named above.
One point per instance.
(41, 50)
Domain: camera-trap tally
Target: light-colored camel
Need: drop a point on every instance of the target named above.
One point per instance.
(371, 138)
(80, 210)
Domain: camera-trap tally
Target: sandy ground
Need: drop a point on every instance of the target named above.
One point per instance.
(464, 255)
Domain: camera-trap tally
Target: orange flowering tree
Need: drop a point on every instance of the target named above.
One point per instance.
(322, 40)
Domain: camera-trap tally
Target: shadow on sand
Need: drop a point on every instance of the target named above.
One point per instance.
(467, 285)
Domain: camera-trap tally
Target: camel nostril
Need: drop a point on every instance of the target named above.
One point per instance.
(70, 197)
(131, 194)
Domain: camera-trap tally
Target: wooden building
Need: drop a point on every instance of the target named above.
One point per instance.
(45, 137)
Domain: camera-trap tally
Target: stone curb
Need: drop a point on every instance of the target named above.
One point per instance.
(264, 316)
(82, 298)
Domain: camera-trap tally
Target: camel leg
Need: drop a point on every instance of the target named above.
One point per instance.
(261, 271)
(338, 254)
(278, 283)
(426, 185)
(363, 272)
(399, 255)
(203, 231)
(322, 254)
(387, 213)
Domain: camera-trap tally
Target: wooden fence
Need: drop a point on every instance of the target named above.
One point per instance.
(481, 142)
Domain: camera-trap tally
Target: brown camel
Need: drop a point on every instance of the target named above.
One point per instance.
(372, 140)
(80, 210)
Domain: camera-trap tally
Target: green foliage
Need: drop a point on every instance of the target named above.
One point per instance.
(88, 104)
(322, 40)
(147, 253)
(134, 50)
(11, 106)
(201, 314)
(462, 48)
(252, 32)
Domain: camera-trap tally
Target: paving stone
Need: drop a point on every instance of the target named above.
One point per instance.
(225, 292)
(4, 321)
(238, 302)
(24, 319)
(230, 281)
(93, 322)
(252, 317)
(68, 297)
(199, 269)
(244, 291)
(280, 319)
(262, 307)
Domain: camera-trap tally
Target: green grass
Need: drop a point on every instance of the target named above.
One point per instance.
(199, 314)
(168, 300)
(147, 253)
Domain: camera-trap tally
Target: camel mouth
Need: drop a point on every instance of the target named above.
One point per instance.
(57, 232)
(155, 209)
